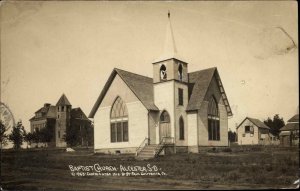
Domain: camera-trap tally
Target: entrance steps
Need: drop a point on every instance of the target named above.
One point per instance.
(148, 152)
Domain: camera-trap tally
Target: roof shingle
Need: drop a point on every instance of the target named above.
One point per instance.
(256, 122)
(295, 118)
(142, 87)
(290, 127)
(199, 83)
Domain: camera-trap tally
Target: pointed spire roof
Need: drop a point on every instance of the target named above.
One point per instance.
(63, 100)
(170, 50)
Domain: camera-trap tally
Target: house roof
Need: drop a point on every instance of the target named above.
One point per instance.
(295, 118)
(77, 113)
(142, 87)
(256, 122)
(290, 127)
(51, 112)
(284, 133)
(63, 100)
(47, 112)
(199, 82)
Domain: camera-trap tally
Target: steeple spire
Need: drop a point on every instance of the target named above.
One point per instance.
(170, 50)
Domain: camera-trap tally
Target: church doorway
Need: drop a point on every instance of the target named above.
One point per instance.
(164, 126)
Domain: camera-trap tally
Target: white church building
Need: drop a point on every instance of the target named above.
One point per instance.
(175, 111)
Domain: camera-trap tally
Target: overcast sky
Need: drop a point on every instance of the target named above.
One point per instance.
(51, 48)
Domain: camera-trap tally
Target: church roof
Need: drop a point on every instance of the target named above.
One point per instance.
(63, 100)
(199, 82)
(141, 86)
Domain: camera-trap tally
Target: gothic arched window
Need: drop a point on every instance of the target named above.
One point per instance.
(181, 129)
(180, 72)
(164, 117)
(119, 121)
(163, 72)
(213, 120)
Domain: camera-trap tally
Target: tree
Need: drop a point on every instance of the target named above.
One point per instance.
(80, 132)
(46, 134)
(29, 137)
(275, 125)
(17, 135)
(231, 136)
(3, 136)
(36, 137)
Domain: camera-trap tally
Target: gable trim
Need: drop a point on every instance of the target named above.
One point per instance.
(103, 93)
(223, 94)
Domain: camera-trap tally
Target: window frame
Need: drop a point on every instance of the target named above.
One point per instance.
(213, 120)
(181, 129)
(180, 73)
(119, 121)
(165, 76)
(180, 96)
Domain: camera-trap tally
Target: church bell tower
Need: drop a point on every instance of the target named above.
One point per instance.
(63, 108)
(170, 79)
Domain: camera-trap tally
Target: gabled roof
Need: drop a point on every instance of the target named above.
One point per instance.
(293, 124)
(77, 113)
(295, 118)
(63, 100)
(47, 112)
(199, 82)
(256, 122)
(290, 127)
(141, 86)
(51, 112)
(42, 110)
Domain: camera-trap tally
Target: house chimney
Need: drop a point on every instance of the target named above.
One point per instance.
(47, 105)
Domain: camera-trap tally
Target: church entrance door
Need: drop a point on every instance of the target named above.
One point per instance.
(164, 127)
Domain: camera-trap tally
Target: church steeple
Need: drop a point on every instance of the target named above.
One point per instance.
(170, 49)
(169, 66)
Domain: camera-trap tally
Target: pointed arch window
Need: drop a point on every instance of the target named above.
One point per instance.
(164, 117)
(180, 72)
(163, 72)
(213, 120)
(119, 121)
(181, 128)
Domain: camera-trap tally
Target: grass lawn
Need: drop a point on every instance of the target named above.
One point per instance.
(238, 169)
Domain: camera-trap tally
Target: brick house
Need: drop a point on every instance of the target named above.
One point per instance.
(176, 110)
(58, 118)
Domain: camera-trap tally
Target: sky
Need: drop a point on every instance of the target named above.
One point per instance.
(55, 47)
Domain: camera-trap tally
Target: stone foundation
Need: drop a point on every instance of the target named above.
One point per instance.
(130, 150)
(181, 149)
